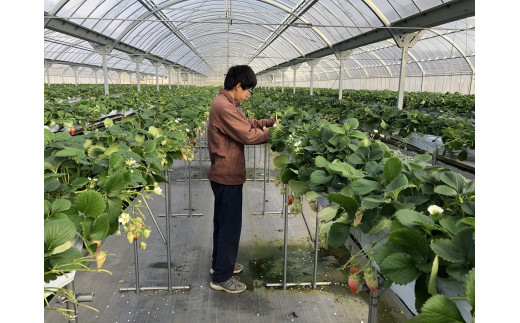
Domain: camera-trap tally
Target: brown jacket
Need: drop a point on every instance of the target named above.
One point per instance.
(228, 131)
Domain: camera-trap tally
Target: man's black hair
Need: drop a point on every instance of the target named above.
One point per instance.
(242, 74)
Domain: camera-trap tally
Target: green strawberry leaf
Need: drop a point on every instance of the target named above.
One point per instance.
(299, 188)
(90, 203)
(446, 250)
(409, 217)
(364, 186)
(400, 268)
(469, 289)
(393, 167)
(328, 213)
(440, 309)
(338, 234)
(100, 227)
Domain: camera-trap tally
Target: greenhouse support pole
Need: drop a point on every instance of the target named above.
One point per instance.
(294, 67)
(95, 70)
(405, 41)
(157, 78)
(105, 73)
(157, 65)
(312, 64)
(103, 50)
(137, 60)
(75, 69)
(169, 79)
(274, 82)
(342, 57)
(283, 78)
(119, 75)
(340, 88)
(402, 76)
(178, 78)
(47, 67)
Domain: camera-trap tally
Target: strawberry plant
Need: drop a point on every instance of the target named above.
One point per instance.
(423, 217)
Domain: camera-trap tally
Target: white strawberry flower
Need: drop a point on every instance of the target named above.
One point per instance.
(296, 144)
(434, 209)
(157, 190)
(124, 218)
(187, 130)
(376, 131)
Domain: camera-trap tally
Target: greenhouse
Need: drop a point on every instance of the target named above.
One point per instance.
(349, 149)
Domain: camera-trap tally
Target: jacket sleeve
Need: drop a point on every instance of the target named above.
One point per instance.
(239, 128)
(261, 123)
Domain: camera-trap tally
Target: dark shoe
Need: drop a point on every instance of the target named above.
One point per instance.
(238, 269)
(232, 285)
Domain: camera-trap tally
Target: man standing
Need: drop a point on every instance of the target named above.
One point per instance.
(228, 131)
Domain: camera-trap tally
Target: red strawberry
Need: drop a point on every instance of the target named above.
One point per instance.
(354, 270)
(72, 131)
(194, 142)
(290, 200)
(135, 238)
(371, 280)
(354, 283)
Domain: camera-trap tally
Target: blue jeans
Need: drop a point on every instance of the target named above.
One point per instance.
(227, 225)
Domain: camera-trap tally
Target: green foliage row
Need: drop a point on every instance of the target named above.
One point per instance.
(90, 179)
(457, 134)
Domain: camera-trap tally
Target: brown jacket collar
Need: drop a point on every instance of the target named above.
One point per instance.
(228, 96)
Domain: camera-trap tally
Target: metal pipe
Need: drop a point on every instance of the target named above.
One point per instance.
(136, 257)
(307, 226)
(168, 211)
(297, 284)
(124, 289)
(154, 221)
(316, 235)
(372, 309)
(200, 157)
(265, 161)
(286, 216)
(268, 164)
(75, 317)
(254, 163)
(189, 186)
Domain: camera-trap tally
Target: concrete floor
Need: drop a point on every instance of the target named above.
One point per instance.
(260, 252)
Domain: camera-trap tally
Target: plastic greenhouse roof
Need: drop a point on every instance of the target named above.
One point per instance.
(205, 37)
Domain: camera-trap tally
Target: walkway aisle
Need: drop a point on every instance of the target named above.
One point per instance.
(260, 252)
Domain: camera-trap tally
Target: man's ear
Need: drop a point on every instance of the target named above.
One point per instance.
(237, 86)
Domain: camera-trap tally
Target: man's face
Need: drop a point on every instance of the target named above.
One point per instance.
(243, 94)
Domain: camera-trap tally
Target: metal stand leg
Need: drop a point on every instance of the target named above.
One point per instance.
(200, 158)
(284, 284)
(154, 221)
(71, 305)
(314, 281)
(265, 162)
(169, 288)
(189, 188)
(190, 213)
(168, 211)
(372, 310)
(254, 163)
(285, 225)
(136, 258)
(268, 164)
